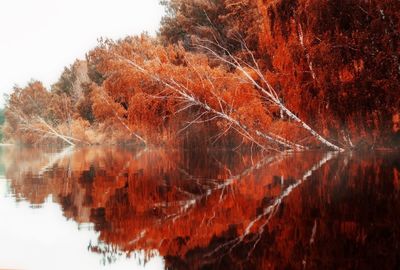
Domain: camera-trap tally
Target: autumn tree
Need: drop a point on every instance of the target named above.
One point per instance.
(180, 89)
(34, 115)
(224, 21)
(338, 60)
(279, 75)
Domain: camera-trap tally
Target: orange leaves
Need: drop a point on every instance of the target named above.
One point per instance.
(31, 111)
(396, 122)
(104, 108)
(147, 113)
(327, 70)
(166, 90)
(345, 75)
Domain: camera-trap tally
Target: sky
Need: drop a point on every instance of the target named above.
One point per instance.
(38, 38)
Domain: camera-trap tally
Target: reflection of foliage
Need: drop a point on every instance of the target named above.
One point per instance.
(110, 253)
(198, 210)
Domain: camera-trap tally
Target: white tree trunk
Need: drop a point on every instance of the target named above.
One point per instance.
(269, 92)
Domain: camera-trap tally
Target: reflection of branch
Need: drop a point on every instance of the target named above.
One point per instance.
(311, 242)
(186, 205)
(137, 155)
(55, 158)
(269, 211)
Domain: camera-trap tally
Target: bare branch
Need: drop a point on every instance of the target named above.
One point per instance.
(269, 92)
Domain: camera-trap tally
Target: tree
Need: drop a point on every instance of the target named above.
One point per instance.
(33, 114)
(279, 75)
(224, 21)
(177, 82)
(335, 59)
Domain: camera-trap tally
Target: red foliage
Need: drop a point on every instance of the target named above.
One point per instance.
(334, 64)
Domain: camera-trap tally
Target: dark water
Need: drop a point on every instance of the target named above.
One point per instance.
(110, 208)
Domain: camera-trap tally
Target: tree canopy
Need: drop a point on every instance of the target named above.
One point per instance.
(273, 75)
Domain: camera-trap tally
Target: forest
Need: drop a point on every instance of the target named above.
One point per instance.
(267, 75)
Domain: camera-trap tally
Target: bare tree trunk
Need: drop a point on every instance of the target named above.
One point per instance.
(54, 132)
(29, 125)
(269, 92)
(185, 94)
(309, 129)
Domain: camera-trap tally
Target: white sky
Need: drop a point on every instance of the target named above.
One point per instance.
(39, 37)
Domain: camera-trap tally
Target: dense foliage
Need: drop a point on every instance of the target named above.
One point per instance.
(338, 60)
(270, 74)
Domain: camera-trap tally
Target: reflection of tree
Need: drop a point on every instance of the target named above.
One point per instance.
(257, 226)
(344, 217)
(221, 208)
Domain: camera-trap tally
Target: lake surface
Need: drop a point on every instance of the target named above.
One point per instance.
(113, 208)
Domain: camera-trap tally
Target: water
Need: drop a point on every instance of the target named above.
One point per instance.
(112, 208)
